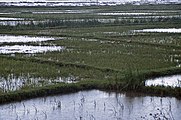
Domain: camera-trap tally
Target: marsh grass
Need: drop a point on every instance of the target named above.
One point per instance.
(119, 85)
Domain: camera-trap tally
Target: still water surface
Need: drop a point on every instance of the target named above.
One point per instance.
(93, 105)
(172, 81)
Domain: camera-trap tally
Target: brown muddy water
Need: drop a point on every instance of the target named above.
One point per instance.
(93, 105)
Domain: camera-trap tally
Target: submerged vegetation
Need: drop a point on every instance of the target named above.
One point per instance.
(101, 49)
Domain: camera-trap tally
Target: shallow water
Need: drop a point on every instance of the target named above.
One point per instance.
(66, 3)
(153, 16)
(12, 83)
(93, 105)
(20, 22)
(160, 30)
(5, 13)
(126, 13)
(6, 18)
(24, 39)
(28, 49)
(173, 81)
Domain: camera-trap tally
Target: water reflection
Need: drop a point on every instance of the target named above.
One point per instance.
(28, 49)
(94, 104)
(20, 22)
(24, 39)
(6, 18)
(160, 30)
(173, 81)
(131, 13)
(13, 83)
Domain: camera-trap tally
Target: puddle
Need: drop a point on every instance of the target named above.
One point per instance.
(93, 105)
(160, 30)
(23, 39)
(173, 81)
(12, 83)
(28, 49)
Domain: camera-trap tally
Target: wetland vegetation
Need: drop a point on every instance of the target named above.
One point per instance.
(52, 50)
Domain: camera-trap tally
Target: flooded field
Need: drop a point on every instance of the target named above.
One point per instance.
(82, 2)
(29, 49)
(161, 30)
(19, 22)
(23, 39)
(93, 105)
(5, 18)
(172, 81)
(121, 13)
(6, 49)
(13, 83)
(48, 50)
